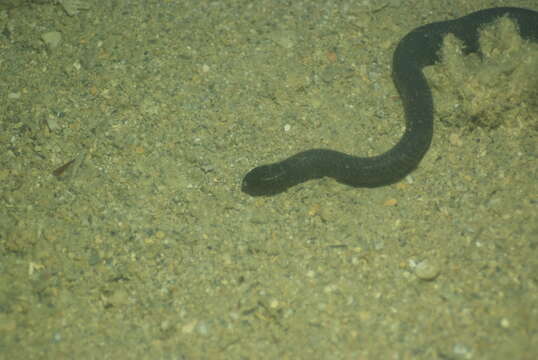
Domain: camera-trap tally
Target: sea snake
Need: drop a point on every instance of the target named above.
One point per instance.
(417, 49)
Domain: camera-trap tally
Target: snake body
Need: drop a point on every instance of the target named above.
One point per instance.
(417, 49)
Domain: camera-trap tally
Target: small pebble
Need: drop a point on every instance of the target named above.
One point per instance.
(505, 323)
(390, 202)
(52, 39)
(202, 328)
(427, 270)
(286, 39)
(189, 327)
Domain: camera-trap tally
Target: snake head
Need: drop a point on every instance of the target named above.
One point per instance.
(266, 180)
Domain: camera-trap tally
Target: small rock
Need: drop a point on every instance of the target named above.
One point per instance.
(72, 7)
(52, 39)
(427, 270)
